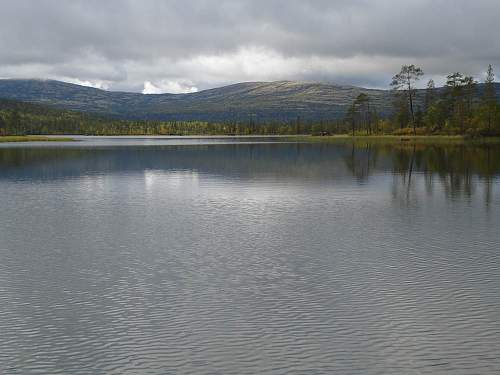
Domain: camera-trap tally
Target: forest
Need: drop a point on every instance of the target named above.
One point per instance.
(461, 107)
(20, 118)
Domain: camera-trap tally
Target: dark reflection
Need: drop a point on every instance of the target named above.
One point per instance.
(362, 161)
(315, 162)
(459, 168)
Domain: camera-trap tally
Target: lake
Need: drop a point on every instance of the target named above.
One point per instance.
(248, 256)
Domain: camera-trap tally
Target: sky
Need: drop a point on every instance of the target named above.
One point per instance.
(156, 46)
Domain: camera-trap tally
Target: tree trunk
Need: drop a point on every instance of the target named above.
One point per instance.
(411, 107)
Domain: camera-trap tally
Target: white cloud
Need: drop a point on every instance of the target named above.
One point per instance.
(173, 46)
(264, 64)
(172, 87)
(95, 84)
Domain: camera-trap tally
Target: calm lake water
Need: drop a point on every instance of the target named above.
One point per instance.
(248, 256)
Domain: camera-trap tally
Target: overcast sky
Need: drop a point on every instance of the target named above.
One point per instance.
(189, 45)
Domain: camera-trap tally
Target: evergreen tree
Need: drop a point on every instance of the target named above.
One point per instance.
(15, 122)
(455, 95)
(362, 103)
(3, 130)
(489, 96)
(470, 85)
(430, 94)
(401, 112)
(351, 117)
(405, 81)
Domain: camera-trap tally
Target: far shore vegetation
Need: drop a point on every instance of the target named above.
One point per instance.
(390, 139)
(461, 109)
(33, 138)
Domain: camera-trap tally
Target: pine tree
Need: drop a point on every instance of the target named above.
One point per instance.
(3, 126)
(405, 81)
(363, 103)
(455, 95)
(430, 94)
(489, 96)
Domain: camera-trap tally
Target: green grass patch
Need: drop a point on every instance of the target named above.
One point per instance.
(33, 138)
(396, 139)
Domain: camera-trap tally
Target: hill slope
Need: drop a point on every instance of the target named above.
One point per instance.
(260, 101)
(257, 101)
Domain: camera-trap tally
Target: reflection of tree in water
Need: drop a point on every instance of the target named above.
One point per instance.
(361, 161)
(459, 168)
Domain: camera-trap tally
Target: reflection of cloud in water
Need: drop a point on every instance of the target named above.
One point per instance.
(458, 169)
(170, 179)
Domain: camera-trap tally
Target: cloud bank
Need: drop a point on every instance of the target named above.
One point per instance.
(154, 46)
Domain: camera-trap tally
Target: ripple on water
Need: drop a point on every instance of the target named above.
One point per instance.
(171, 274)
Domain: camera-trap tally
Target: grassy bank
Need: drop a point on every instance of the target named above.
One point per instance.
(32, 138)
(395, 139)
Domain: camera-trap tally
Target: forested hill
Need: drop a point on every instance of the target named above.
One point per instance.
(282, 101)
(22, 118)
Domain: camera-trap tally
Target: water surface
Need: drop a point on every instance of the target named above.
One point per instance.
(246, 256)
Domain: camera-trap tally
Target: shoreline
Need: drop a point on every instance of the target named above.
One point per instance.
(33, 138)
(340, 138)
(397, 139)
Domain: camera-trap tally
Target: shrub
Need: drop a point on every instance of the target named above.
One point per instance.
(410, 131)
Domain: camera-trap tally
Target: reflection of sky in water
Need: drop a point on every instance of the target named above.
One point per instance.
(272, 259)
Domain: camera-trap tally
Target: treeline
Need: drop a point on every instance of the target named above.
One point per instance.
(20, 118)
(458, 108)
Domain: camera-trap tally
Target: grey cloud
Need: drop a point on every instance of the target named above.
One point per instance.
(125, 43)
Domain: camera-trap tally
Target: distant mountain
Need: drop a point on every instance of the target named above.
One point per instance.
(260, 101)
(257, 101)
